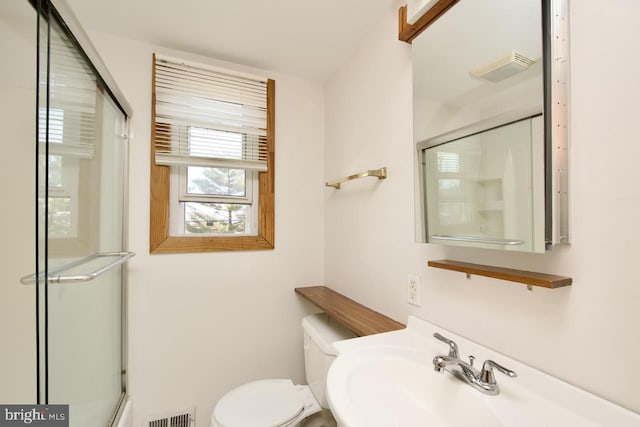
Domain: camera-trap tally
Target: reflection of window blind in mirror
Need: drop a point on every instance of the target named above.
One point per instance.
(448, 162)
(71, 120)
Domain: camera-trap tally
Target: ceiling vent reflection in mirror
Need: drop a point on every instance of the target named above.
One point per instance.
(504, 67)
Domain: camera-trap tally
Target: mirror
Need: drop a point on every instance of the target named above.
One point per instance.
(489, 96)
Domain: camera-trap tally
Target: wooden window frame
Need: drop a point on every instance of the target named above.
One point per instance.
(160, 242)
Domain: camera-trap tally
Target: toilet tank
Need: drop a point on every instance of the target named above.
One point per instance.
(320, 332)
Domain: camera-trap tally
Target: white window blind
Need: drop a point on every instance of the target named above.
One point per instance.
(209, 117)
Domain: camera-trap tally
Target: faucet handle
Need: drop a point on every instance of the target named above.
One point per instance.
(486, 375)
(453, 347)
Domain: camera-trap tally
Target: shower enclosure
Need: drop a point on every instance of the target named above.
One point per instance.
(63, 251)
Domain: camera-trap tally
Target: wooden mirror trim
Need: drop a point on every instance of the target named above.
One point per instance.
(407, 32)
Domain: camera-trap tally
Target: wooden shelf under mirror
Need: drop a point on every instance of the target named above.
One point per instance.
(528, 278)
(355, 316)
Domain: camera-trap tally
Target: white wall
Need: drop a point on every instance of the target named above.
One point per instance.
(200, 324)
(17, 212)
(586, 334)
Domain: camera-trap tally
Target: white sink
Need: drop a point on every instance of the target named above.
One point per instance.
(388, 380)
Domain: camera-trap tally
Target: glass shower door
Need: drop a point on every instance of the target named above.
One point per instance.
(63, 219)
(83, 158)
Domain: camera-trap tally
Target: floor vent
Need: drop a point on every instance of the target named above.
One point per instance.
(185, 418)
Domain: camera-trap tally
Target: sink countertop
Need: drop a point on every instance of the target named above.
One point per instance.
(533, 398)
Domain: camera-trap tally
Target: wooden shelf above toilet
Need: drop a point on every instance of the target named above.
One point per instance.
(355, 316)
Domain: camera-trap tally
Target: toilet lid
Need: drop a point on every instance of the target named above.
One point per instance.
(265, 403)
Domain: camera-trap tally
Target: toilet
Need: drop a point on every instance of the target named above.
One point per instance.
(278, 402)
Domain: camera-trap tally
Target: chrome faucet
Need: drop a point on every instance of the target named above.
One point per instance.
(483, 380)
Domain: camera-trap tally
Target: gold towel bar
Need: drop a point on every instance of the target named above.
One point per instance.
(378, 173)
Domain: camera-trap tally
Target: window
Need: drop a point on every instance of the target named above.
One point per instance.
(214, 200)
(212, 159)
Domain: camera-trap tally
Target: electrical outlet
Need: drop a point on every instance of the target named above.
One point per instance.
(413, 290)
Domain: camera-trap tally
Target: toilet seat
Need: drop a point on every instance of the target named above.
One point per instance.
(265, 403)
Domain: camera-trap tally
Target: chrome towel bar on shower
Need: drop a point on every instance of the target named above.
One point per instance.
(53, 275)
(378, 173)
